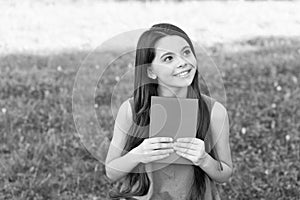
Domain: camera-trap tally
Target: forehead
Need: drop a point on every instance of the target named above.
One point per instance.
(172, 43)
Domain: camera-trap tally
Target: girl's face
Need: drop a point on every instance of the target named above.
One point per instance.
(174, 64)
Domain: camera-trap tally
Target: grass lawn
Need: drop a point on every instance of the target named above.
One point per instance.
(42, 156)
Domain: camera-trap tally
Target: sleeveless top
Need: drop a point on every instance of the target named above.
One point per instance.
(174, 181)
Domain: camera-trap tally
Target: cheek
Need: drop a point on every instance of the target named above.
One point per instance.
(193, 61)
(164, 71)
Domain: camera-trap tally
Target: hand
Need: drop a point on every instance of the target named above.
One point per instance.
(192, 149)
(152, 149)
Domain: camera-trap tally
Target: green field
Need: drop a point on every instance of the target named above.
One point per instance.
(42, 156)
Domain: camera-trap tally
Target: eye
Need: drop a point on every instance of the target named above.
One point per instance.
(187, 52)
(168, 58)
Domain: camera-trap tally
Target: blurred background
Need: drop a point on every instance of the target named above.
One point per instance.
(249, 50)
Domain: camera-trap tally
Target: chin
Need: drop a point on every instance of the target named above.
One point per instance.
(184, 83)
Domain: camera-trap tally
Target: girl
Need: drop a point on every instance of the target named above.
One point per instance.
(166, 65)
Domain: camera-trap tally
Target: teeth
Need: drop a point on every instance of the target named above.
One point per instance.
(182, 74)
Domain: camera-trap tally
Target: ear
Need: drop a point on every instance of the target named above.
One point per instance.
(150, 73)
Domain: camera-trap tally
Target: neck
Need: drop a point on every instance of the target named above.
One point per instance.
(172, 92)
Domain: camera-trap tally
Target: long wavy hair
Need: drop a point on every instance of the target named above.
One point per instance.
(144, 88)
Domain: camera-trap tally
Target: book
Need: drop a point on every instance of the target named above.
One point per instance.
(175, 118)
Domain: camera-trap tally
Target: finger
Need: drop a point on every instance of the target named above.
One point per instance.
(186, 151)
(186, 145)
(188, 139)
(161, 152)
(187, 156)
(160, 139)
(161, 145)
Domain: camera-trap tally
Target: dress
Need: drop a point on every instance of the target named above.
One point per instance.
(173, 181)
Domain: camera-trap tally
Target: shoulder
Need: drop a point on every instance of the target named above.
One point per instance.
(209, 101)
(219, 125)
(219, 113)
(125, 110)
(207, 98)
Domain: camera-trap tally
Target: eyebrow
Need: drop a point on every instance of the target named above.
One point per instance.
(172, 53)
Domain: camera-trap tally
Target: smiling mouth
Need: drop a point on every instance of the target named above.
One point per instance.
(184, 73)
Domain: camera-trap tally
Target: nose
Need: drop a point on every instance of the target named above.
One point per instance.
(181, 62)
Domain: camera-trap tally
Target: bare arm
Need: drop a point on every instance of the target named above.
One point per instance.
(220, 138)
(151, 149)
(117, 166)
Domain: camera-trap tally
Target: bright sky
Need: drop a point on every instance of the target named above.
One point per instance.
(54, 27)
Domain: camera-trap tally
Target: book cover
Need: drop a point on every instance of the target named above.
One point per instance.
(173, 117)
